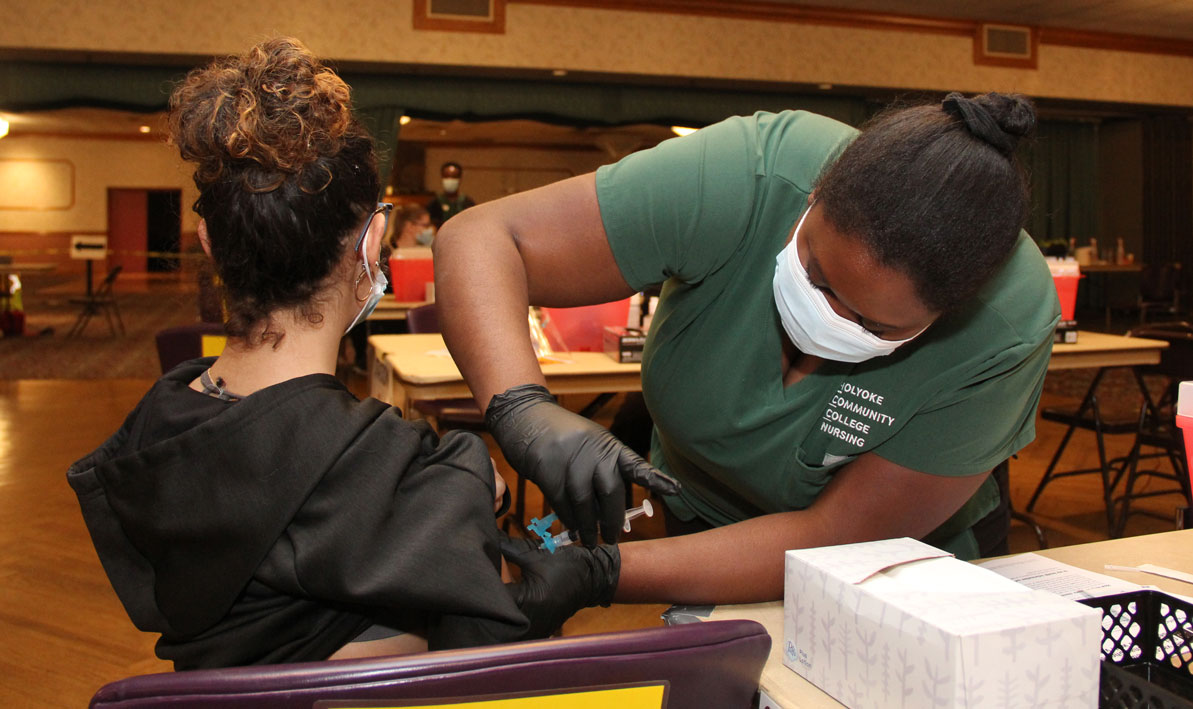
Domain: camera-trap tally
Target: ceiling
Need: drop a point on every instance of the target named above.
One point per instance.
(1156, 18)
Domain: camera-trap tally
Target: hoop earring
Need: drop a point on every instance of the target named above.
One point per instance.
(356, 287)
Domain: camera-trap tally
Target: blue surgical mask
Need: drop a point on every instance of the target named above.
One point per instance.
(809, 319)
(425, 237)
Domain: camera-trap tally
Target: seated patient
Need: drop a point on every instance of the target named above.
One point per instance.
(251, 509)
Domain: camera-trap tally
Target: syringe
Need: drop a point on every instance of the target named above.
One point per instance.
(551, 542)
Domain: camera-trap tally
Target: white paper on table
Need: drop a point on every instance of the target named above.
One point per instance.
(1156, 570)
(1043, 574)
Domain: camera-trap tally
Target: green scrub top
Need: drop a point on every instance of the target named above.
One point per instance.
(706, 215)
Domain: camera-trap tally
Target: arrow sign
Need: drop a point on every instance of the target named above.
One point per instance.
(90, 248)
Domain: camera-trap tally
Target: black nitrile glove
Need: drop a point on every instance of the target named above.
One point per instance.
(577, 464)
(555, 586)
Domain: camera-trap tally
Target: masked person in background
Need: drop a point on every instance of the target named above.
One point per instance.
(853, 332)
(251, 510)
(451, 201)
(411, 227)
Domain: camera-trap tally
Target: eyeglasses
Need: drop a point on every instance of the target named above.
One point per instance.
(382, 208)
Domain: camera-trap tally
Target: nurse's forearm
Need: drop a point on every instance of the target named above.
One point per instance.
(868, 499)
(480, 288)
(738, 563)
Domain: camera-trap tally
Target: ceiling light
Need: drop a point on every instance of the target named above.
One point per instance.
(824, 87)
(3, 127)
(403, 120)
(559, 72)
(144, 129)
(682, 131)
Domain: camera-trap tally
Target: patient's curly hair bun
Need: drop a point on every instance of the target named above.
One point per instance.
(285, 173)
(277, 106)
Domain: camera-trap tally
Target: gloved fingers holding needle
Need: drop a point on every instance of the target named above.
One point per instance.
(559, 577)
(554, 585)
(581, 468)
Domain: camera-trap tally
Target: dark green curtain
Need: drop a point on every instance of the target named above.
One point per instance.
(26, 86)
(35, 86)
(382, 122)
(1168, 191)
(1063, 166)
(585, 104)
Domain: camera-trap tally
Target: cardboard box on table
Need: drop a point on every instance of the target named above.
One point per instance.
(898, 623)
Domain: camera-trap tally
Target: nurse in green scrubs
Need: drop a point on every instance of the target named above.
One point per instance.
(853, 331)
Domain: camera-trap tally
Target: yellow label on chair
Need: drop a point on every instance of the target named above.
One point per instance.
(643, 697)
(213, 345)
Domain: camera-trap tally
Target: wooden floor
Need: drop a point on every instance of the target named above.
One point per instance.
(65, 634)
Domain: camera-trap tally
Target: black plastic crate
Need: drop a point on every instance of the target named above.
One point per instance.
(1147, 651)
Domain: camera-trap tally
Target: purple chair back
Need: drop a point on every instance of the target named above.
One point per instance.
(710, 664)
(176, 345)
(424, 318)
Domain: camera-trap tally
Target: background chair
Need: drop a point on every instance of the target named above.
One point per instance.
(178, 344)
(101, 300)
(424, 318)
(1156, 429)
(1160, 291)
(1089, 416)
(710, 664)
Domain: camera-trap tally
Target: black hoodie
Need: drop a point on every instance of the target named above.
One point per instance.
(277, 528)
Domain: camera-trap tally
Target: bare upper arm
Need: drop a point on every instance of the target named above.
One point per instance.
(559, 235)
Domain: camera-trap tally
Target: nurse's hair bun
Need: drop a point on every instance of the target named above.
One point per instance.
(999, 119)
(274, 110)
(935, 191)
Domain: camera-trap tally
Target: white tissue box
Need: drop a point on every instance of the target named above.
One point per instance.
(898, 623)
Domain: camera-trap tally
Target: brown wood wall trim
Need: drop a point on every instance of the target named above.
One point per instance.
(1117, 42)
(777, 13)
(774, 12)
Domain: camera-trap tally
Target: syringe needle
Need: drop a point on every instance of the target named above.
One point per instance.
(644, 509)
(542, 527)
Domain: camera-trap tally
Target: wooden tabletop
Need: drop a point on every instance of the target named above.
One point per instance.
(1173, 550)
(424, 359)
(390, 309)
(19, 268)
(418, 367)
(1112, 268)
(1097, 349)
(406, 368)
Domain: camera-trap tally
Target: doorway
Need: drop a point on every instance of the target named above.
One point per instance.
(142, 222)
